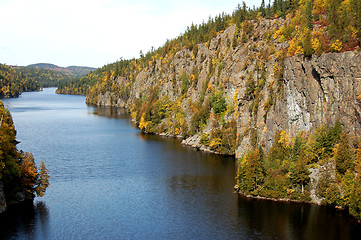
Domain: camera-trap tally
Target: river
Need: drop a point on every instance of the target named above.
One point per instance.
(110, 181)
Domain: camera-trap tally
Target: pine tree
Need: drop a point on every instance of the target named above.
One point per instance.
(43, 181)
(308, 14)
(307, 44)
(347, 185)
(251, 173)
(300, 174)
(355, 198)
(333, 18)
(263, 8)
(343, 155)
(356, 9)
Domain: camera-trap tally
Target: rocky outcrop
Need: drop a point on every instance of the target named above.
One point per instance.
(269, 91)
(2, 198)
(315, 91)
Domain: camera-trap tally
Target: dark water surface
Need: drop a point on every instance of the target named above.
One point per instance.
(109, 181)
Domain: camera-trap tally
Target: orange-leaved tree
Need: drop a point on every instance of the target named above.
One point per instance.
(31, 179)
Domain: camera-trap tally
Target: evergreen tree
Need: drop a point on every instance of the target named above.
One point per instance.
(355, 198)
(347, 185)
(333, 195)
(356, 9)
(343, 155)
(297, 147)
(42, 181)
(262, 8)
(333, 18)
(308, 13)
(278, 155)
(300, 176)
(324, 183)
(307, 44)
(251, 172)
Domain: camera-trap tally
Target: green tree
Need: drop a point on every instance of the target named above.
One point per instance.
(279, 153)
(323, 183)
(355, 197)
(323, 140)
(356, 9)
(343, 155)
(299, 174)
(333, 195)
(347, 185)
(307, 44)
(308, 14)
(218, 102)
(251, 171)
(333, 18)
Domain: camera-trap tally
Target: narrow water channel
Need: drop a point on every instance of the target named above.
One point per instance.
(110, 181)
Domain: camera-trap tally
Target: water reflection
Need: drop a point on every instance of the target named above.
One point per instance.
(116, 113)
(109, 181)
(283, 220)
(28, 220)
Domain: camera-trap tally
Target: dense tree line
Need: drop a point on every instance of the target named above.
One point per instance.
(13, 83)
(45, 78)
(18, 171)
(310, 27)
(285, 171)
(103, 75)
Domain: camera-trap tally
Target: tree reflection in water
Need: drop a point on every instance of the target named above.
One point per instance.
(286, 220)
(27, 220)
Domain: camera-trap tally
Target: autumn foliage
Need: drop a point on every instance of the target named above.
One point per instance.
(18, 170)
(285, 171)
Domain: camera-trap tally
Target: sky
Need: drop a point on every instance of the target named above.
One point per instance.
(96, 32)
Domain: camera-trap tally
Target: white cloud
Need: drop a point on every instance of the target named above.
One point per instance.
(94, 32)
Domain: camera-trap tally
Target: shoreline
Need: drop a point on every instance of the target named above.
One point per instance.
(288, 200)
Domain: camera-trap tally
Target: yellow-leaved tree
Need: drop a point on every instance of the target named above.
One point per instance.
(43, 180)
(32, 180)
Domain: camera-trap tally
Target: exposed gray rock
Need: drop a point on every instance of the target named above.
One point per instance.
(313, 90)
(314, 177)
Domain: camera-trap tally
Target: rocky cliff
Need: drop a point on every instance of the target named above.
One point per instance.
(264, 89)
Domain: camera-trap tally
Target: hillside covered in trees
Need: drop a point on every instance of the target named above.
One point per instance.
(79, 86)
(277, 86)
(50, 75)
(310, 27)
(20, 179)
(13, 83)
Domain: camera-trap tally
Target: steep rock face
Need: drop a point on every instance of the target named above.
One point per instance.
(315, 91)
(267, 90)
(2, 198)
(322, 89)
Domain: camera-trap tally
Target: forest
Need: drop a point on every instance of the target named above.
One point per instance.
(21, 178)
(310, 28)
(45, 77)
(50, 75)
(284, 173)
(13, 83)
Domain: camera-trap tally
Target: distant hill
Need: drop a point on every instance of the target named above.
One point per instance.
(71, 71)
(50, 75)
(13, 83)
(80, 71)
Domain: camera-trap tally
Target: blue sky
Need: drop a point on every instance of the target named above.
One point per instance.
(96, 32)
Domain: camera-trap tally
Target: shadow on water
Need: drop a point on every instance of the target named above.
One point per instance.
(115, 113)
(29, 220)
(124, 184)
(285, 220)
